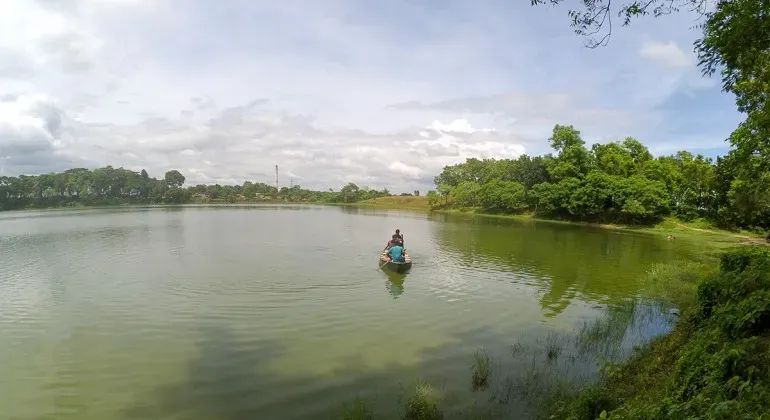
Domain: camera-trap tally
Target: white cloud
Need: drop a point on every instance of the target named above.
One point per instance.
(224, 93)
(667, 54)
(404, 169)
(456, 126)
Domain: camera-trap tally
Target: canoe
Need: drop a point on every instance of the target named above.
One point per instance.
(398, 267)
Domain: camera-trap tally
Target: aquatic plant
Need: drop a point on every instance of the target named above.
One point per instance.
(715, 364)
(518, 348)
(482, 369)
(553, 347)
(357, 410)
(422, 403)
(604, 335)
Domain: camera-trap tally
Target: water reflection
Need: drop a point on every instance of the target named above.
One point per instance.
(395, 282)
(395, 289)
(562, 262)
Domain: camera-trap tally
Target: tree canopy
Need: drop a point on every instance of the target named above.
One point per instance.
(613, 182)
(108, 185)
(734, 42)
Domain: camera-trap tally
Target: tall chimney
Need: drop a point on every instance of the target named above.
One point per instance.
(276, 177)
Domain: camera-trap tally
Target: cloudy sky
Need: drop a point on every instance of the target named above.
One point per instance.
(380, 93)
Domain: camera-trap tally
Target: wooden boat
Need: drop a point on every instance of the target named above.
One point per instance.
(398, 267)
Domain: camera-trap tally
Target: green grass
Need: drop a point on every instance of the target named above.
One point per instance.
(482, 369)
(397, 203)
(357, 410)
(518, 348)
(669, 226)
(553, 347)
(422, 402)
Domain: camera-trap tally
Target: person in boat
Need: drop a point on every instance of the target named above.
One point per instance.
(395, 238)
(396, 252)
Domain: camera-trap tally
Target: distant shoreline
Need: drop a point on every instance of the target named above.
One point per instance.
(669, 226)
(420, 204)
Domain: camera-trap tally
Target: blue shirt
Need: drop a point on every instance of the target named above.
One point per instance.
(396, 253)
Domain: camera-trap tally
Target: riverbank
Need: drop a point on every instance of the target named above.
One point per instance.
(667, 227)
(397, 203)
(715, 364)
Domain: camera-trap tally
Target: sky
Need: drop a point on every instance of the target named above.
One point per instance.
(378, 93)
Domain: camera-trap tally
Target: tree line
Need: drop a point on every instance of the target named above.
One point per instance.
(733, 192)
(110, 186)
(613, 182)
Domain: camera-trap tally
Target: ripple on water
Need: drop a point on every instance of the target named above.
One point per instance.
(189, 314)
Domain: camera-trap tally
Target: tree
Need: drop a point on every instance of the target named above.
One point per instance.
(506, 196)
(433, 199)
(174, 179)
(613, 159)
(642, 201)
(736, 39)
(596, 15)
(349, 193)
(564, 137)
(639, 153)
(466, 193)
(554, 198)
(594, 197)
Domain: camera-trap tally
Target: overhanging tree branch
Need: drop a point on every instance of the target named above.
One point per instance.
(595, 16)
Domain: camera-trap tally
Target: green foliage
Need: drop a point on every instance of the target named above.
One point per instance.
(497, 195)
(174, 179)
(613, 182)
(357, 410)
(565, 137)
(596, 15)
(111, 186)
(715, 365)
(554, 198)
(482, 369)
(434, 200)
(736, 42)
(466, 193)
(422, 403)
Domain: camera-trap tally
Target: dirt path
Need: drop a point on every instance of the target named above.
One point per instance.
(745, 240)
(715, 232)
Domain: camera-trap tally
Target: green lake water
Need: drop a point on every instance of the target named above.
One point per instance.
(280, 312)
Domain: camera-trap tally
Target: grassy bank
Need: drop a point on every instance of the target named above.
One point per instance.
(715, 364)
(698, 230)
(668, 226)
(397, 203)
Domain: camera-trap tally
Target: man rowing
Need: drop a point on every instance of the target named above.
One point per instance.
(396, 253)
(394, 239)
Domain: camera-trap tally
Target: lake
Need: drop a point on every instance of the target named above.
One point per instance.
(280, 312)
